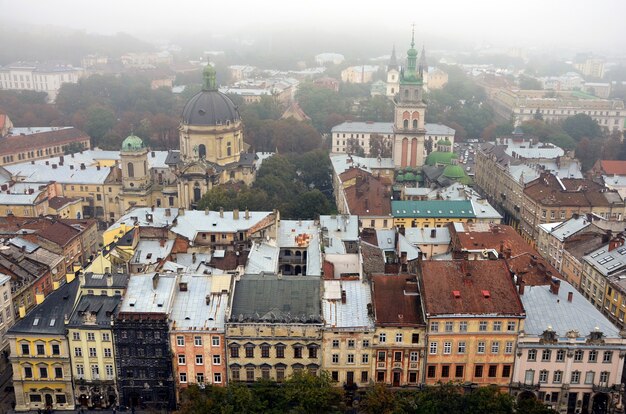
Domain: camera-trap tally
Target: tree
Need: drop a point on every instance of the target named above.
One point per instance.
(100, 120)
(354, 147)
(380, 146)
(311, 394)
(581, 125)
(526, 82)
(588, 152)
(538, 115)
(379, 399)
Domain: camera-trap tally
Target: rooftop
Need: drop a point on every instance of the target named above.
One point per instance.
(45, 137)
(200, 302)
(386, 128)
(397, 300)
(343, 162)
(469, 287)
(263, 257)
(193, 222)
(98, 280)
(546, 310)
(433, 208)
(337, 229)
(96, 310)
(273, 299)
(152, 251)
(608, 259)
(368, 196)
(351, 312)
(562, 231)
(418, 236)
(149, 293)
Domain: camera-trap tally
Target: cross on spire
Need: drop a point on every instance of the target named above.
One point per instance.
(413, 36)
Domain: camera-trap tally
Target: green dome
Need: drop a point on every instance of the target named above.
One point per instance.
(409, 177)
(132, 143)
(400, 178)
(440, 157)
(454, 172)
(418, 177)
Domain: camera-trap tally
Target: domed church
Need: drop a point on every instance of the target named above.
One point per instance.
(212, 152)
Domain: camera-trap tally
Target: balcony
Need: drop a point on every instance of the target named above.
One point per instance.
(605, 388)
(525, 387)
(413, 365)
(380, 365)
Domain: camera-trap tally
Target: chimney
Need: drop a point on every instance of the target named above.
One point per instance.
(109, 279)
(247, 215)
(206, 211)
(181, 211)
(168, 212)
(433, 233)
(343, 296)
(236, 214)
(507, 253)
(615, 243)
(54, 166)
(162, 242)
(570, 296)
(98, 167)
(82, 166)
(71, 166)
(182, 286)
(555, 284)
(521, 288)
(61, 159)
(155, 281)
(153, 154)
(152, 208)
(193, 257)
(221, 212)
(207, 299)
(47, 162)
(533, 260)
(22, 248)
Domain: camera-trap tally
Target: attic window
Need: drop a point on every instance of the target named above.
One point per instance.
(456, 294)
(149, 256)
(36, 322)
(486, 294)
(52, 321)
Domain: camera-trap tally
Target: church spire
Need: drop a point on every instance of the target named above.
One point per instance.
(413, 37)
(393, 61)
(423, 66)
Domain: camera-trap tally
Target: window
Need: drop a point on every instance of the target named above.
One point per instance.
(217, 359)
(482, 326)
(510, 326)
(180, 340)
(430, 371)
(234, 352)
(462, 326)
(78, 352)
(58, 372)
(80, 370)
(506, 371)
(458, 371)
(351, 343)
(28, 372)
(335, 343)
(249, 352)
(43, 372)
(545, 355)
(234, 372)
(109, 371)
(215, 341)
(297, 352)
(95, 372)
(532, 354)
(312, 352)
(543, 376)
(461, 347)
(447, 347)
(508, 347)
(200, 378)
(593, 355)
(558, 377)
(578, 355)
(91, 336)
(35, 398)
(493, 371)
(265, 351)
(414, 356)
(560, 355)
(92, 352)
(607, 356)
(382, 338)
(335, 358)
(56, 349)
(604, 378)
(478, 371)
(434, 326)
(398, 337)
(280, 351)
(589, 376)
(197, 340)
(382, 355)
(76, 336)
(575, 377)
(183, 377)
(181, 359)
(366, 342)
(364, 376)
(106, 337)
(250, 374)
(40, 349)
(397, 356)
(497, 326)
(432, 349)
(495, 347)
(445, 371)
(108, 353)
(480, 347)
(449, 326)
(350, 359)
(529, 377)
(365, 359)
(199, 360)
(217, 377)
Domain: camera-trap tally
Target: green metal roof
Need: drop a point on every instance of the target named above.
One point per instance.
(440, 157)
(453, 171)
(132, 143)
(433, 208)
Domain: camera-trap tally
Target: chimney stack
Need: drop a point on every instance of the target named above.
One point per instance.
(570, 296)
(155, 281)
(221, 212)
(236, 214)
(343, 296)
(247, 215)
(521, 288)
(555, 284)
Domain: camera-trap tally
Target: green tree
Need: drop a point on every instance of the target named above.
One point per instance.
(312, 394)
(379, 399)
(526, 82)
(580, 126)
(100, 120)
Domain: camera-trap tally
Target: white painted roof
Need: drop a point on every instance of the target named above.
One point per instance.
(141, 296)
(353, 313)
(607, 262)
(151, 251)
(161, 217)
(545, 309)
(339, 228)
(190, 309)
(569, 227)
(4, 278)
(343, 162)
(39, 173)
(386, 128)
(34, 130)
(423, 236)
(194, 222)
(386, 239)
(290, 229)
(484, 210)
(263, 257)
(404, 246)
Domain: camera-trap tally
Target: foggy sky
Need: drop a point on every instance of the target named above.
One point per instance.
(584, 25)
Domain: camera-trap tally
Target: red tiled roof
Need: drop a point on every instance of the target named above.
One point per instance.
(533, 269)
(546, 190)
(59, 233)
(13, 143)
(472, 287)
(482, 236)
(613, 167)
(396, 300)
(369, 196)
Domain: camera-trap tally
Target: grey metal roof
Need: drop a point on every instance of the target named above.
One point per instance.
(570, 227)
(352, 313)
(90, 308)
(210, 108)
(386, 128)
(95, 280)
(607, 262)
(192, 310)
(268, 298)
(545, 309)
(48, 317)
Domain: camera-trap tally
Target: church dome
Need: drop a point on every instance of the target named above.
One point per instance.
(210, 107)
(453, 172)
(132, 143)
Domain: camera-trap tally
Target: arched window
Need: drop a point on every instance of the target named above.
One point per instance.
(229, 149)
(393, 90)
(202, 151)
(131, 170)
(196, 193)
(406, 123)
(406, 93)
(415, 124)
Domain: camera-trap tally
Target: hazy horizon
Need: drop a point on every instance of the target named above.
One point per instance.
(545, 25)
